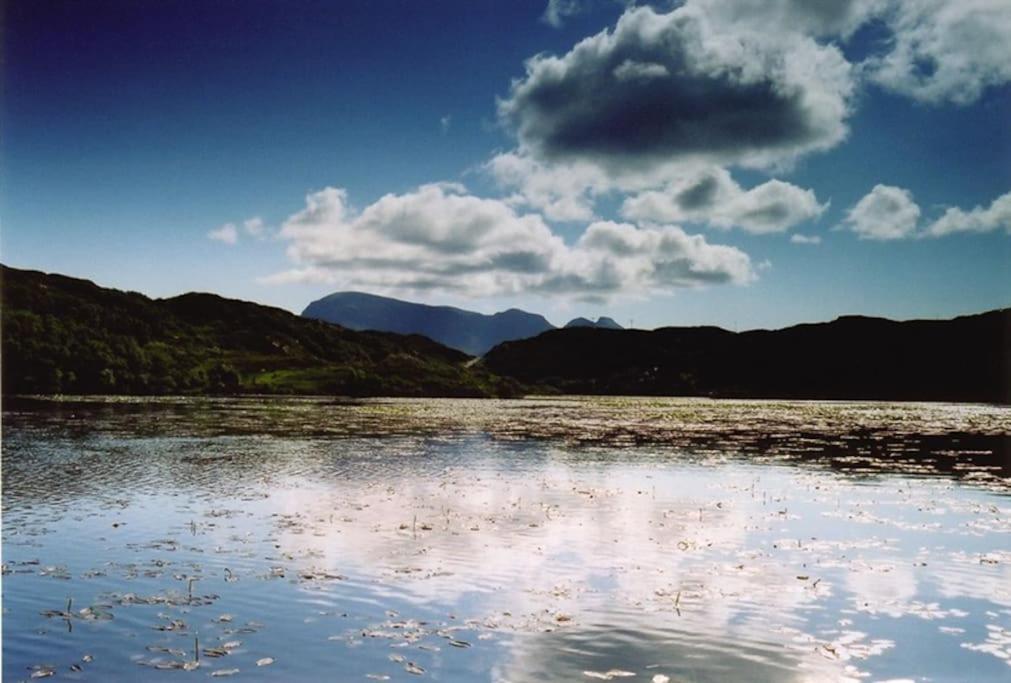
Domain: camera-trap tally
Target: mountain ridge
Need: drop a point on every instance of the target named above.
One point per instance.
(469, 331)
(63, 334)
(967, 358)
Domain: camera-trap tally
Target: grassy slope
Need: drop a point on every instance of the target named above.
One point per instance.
(66, 334)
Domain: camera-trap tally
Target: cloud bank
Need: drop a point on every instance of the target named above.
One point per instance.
(658, 110)
(439, 237)
(726, 83)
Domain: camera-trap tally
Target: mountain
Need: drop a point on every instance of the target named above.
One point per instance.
(62, 334)
(467, 331)
(602, 322)
(854, 357)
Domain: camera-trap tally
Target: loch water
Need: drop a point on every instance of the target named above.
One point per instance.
(549, 539)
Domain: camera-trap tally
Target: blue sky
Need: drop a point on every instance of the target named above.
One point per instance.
(746, 164)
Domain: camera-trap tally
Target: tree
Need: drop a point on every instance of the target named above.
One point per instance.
(107, 378)
(223, 378)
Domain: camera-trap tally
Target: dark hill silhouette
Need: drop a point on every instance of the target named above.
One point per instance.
(460, 329)
(854, 357)
(62, 334)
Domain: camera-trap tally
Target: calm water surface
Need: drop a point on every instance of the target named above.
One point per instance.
(535, 540)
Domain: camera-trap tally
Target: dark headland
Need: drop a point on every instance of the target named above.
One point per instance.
(853, 357)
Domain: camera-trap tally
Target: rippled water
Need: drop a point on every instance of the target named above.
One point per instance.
(535, 540)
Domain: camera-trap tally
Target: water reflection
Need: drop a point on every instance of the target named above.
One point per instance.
(949, 439)
(508, 541)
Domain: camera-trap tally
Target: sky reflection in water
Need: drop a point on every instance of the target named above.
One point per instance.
(567, 539)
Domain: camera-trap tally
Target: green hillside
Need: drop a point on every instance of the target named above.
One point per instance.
(63, 334)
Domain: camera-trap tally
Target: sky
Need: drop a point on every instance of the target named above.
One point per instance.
(744, 163)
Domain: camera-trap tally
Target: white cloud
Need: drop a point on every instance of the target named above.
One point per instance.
(997, 216)
(885, 213)
(657, 257)
(725, 83)
(937, 50)
(227, 233)
(824, 18)
(557, 10)
(945, 50)
(444, 123)
(797, 238)
(560, 192)
(439, 237)
(889, 213)
(568, 192)
(255, 227)
(713, 197)
(662, 96)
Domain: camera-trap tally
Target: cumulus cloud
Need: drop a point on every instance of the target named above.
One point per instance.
(715, 198)
(624, 257)
(937, 50)
(255, 227)
(885, 213)
(728, 83)
(557, 11)
(227, 233)
(805, 239)
(945, 51)
(439, 237)
(889, 213)
(997, 216)
(826, 18)
(560, 192)
(679, 87)
(568, 192)
(660, 96)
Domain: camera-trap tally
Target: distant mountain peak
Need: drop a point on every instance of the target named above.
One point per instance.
(469, 331)
(602, 322)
